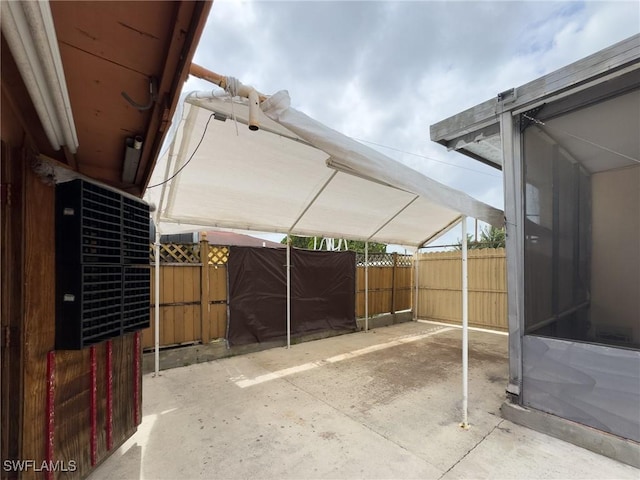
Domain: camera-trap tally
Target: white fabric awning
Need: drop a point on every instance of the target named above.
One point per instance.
(296, 176)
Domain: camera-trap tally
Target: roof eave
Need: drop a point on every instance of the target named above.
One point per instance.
(192, 19)
(590, 70)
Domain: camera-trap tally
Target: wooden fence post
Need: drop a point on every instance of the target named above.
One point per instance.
(393, 283)
(205, 323)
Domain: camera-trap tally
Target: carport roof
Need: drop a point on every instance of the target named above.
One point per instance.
(297, 176)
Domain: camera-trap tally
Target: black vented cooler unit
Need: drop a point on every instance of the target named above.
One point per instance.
(102, 265)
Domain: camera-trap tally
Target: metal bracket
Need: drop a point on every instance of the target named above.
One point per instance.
(528, 117)
(508, 96)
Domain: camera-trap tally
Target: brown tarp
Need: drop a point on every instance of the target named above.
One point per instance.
(322, 293)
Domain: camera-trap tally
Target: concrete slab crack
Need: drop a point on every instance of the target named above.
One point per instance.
(471, 449)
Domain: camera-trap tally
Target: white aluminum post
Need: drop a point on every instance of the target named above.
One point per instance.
(157, 304)
(288, 291)
(366, 286)
(513, 211)
(465, 327)
(417, 280)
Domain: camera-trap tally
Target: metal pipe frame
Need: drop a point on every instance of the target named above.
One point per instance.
(366, 286)
(156, 312)
(465, 327)
(288, 291)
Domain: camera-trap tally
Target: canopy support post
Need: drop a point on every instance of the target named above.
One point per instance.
(465, 327)
(288, 291)
(156, 312)
(366, 286)
(416, 271)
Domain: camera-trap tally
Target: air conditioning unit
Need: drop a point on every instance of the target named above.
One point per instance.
(102, 264)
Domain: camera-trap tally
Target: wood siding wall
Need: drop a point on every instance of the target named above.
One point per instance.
(48, 410)
(11, 303)
(440, 287)
(72, 378)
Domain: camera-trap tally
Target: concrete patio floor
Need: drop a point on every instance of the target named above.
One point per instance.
(382, 404)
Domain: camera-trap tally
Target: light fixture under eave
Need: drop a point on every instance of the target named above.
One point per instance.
(30, 33)
(132, 152)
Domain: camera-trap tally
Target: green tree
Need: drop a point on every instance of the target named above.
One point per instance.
(358, 246)
(491, 237)
(299, 242)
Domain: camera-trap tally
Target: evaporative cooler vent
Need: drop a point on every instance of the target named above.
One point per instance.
(102, 265)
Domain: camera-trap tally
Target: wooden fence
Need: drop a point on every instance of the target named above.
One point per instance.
(390, 283)
(193, 294)
(440, 287)
(193, 291)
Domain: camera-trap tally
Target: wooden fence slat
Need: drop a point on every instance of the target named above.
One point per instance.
(167, 326)
(178, 312)
(205, 291)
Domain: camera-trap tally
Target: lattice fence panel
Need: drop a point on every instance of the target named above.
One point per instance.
(384, 260)
(218, 255)
(404, 261)
(176, 253)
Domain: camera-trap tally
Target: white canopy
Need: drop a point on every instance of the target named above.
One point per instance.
(296, 176)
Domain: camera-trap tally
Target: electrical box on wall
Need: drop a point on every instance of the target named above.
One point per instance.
(102, 264)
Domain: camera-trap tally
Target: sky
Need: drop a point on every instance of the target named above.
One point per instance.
(383, 72)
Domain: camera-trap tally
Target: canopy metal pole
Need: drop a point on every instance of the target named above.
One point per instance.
(288, 291)
(220, 80)
(157, 303)
(417, 280)
(366, 286)
(465, 327)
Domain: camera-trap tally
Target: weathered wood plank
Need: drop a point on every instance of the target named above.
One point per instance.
(39, 312)
(101, 404)
(123, 406)
(11, 248)
(72, 410)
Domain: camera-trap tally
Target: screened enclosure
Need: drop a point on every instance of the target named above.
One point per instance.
(568, 145)
(582, 211)
(582, 264)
